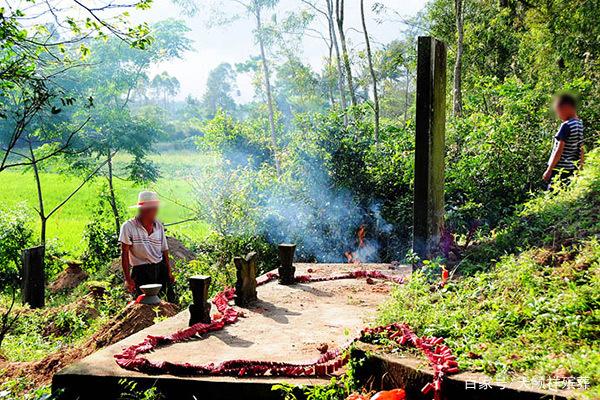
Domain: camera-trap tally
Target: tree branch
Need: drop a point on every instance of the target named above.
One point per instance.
(61, 149)
(74, 192)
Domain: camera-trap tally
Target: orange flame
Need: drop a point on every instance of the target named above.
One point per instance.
(352, 256)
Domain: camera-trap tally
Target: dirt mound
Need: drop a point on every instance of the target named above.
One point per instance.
(132, 319)
(178, 251)
(70, 278)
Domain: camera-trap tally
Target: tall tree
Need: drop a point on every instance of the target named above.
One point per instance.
(457, 87)
(33, 56)
(256, 7)
(165, 86)
(219, 88)
(339, 15)
(372, 71)
(112, 76)
(333, 45)
(338, 58)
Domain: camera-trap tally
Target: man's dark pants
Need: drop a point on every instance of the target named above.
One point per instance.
(560, 176)
(146, 274)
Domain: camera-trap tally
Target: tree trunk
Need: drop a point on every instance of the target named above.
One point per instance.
(113, 197)
(333, 35)
(372, 70)
(330, 87)
(345, 57)
(40, 195)
(457, 90)
(270, 105)
(41, 212)
(406, 95)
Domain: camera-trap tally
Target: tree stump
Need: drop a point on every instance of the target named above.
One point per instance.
(286, 264)
(245, 286)
(33, 276)
(200, 309)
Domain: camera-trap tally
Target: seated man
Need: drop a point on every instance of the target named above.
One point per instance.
(144, 250)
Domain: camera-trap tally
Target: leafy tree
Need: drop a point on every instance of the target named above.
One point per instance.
(339, 17)
(15, 235)
(38, 146)
(255, 9)
(112, 76)
(396, 63)
(165, 86)
(33, 56)
(457, 86)
(299, 89)
(220, 86)
(371, 71)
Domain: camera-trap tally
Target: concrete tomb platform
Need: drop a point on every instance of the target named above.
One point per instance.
(287, 323)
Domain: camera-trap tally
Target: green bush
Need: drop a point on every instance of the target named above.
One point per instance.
(15, 235)
(102, 244)
(497, 152)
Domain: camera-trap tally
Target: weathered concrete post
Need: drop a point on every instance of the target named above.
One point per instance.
(286, 264)
(33, 276)
(245, 286)
(200, 309)
(428, 206)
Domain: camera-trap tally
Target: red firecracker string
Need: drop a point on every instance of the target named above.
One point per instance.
(439, 355)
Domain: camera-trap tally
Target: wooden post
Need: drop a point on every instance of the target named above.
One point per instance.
(33, 276)
(200, 309)
(286, 264)
(428, 206)
(245, 286)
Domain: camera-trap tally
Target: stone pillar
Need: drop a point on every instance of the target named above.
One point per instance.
(33, 276)
(286, 264)
(200, 309)
(245, 286)
(428, 206)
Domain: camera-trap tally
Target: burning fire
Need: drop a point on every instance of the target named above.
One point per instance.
(353, 257)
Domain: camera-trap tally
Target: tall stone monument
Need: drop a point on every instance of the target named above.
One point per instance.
(428, 206)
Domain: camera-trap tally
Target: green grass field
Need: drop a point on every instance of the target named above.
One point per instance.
(68, 224)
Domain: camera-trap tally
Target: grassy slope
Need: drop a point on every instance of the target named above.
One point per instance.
(537, 310)
(67, 224)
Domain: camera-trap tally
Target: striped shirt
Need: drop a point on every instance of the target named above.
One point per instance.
(571, 132)
(145, 249)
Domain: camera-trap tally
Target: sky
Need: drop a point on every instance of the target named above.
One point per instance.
(233, 43)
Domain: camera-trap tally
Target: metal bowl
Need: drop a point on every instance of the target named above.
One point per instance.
(151, 289)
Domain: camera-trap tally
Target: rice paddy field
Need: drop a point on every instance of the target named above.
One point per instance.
(178, 170)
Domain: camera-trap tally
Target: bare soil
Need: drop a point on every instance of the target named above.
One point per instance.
(132, 319)
(70, 278)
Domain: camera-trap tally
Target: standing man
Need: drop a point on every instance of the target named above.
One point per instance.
(144, 249)
(567, 152)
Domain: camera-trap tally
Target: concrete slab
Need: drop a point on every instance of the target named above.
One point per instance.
(288, 323)
(383, 371)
